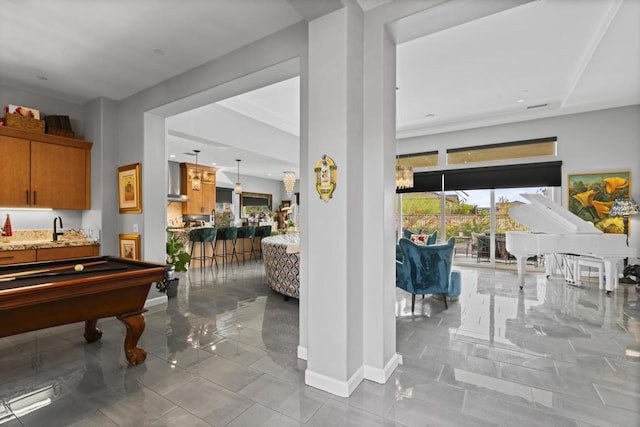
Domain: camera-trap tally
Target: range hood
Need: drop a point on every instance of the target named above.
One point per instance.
(173, 184)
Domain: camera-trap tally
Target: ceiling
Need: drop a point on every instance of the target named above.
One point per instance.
(544, 58)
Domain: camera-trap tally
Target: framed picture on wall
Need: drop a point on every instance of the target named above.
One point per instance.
(129, 189)
(129, 246)
(591, 196)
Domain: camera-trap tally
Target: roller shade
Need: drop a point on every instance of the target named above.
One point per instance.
(224, 195)
(544, 174)
(254, 201)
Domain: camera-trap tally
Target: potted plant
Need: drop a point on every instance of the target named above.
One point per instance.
(178, 259)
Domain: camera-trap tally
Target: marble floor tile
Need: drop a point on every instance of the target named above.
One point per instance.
(209, 401)
(507, 413)
(419, 413)
(286, 367)
(178, 417)
(138, 406)
(224, 353)
(260, 416)
(226, 373)
(298, 402)
(334, 413)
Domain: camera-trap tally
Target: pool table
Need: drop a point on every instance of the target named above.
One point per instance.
(44, 294)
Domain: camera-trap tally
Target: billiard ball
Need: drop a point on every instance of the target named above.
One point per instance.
(78, 267)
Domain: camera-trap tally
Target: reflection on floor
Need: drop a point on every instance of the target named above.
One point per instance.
(223, 353)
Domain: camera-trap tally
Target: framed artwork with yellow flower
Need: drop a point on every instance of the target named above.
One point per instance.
(591, 196)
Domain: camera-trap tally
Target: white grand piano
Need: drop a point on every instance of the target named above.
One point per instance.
(558, 231)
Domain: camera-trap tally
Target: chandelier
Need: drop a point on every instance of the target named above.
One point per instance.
(195, 181)
(238, 186)
(289, 182)
(404, 176)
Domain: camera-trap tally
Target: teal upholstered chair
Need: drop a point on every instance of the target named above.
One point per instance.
(427, 270)
(431, 239)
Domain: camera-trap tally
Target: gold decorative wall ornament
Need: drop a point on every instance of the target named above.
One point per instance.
(325, 172)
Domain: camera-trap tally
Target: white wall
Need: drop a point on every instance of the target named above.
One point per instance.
(100, 119)
(598, 141)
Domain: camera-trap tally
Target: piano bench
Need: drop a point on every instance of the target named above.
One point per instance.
(590, 262)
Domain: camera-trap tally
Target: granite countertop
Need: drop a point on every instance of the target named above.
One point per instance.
(39, 239)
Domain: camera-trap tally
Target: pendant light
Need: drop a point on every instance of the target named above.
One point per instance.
(195, 181)
(238, 184)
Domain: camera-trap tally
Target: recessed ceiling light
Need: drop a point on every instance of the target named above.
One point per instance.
(429, 116)
(173, 156)
(42, 77)
(158, 51)
(269, 174)
(213, 163)
(521, 100)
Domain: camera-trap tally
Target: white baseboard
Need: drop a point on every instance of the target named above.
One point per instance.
(302, 353)
(333, 386)
(382, 375)
(155, 301)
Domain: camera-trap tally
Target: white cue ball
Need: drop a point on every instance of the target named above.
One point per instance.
(78, 267)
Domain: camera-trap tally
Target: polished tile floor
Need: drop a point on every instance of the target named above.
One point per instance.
(223, 353)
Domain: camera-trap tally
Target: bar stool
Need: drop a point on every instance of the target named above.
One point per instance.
(203, 236)
(224, 235)
(249, 233)
(262, 232)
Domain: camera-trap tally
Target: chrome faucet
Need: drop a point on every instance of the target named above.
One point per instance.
(57, 233)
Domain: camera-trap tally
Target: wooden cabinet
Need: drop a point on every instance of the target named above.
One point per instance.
(68, 252)
(48, 254)
(17, 257)
(203, 201)
(44, 171)
(15, 171)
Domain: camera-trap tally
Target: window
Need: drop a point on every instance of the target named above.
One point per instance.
(419, 161)
(504, 151)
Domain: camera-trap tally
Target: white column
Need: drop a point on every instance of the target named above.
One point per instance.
(335, 234)
(378, 216)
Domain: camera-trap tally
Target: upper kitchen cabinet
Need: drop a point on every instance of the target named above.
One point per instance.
(44, 171)
(202, 201)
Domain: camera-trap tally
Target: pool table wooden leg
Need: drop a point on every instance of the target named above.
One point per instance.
(135, 326)
(91, 333)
